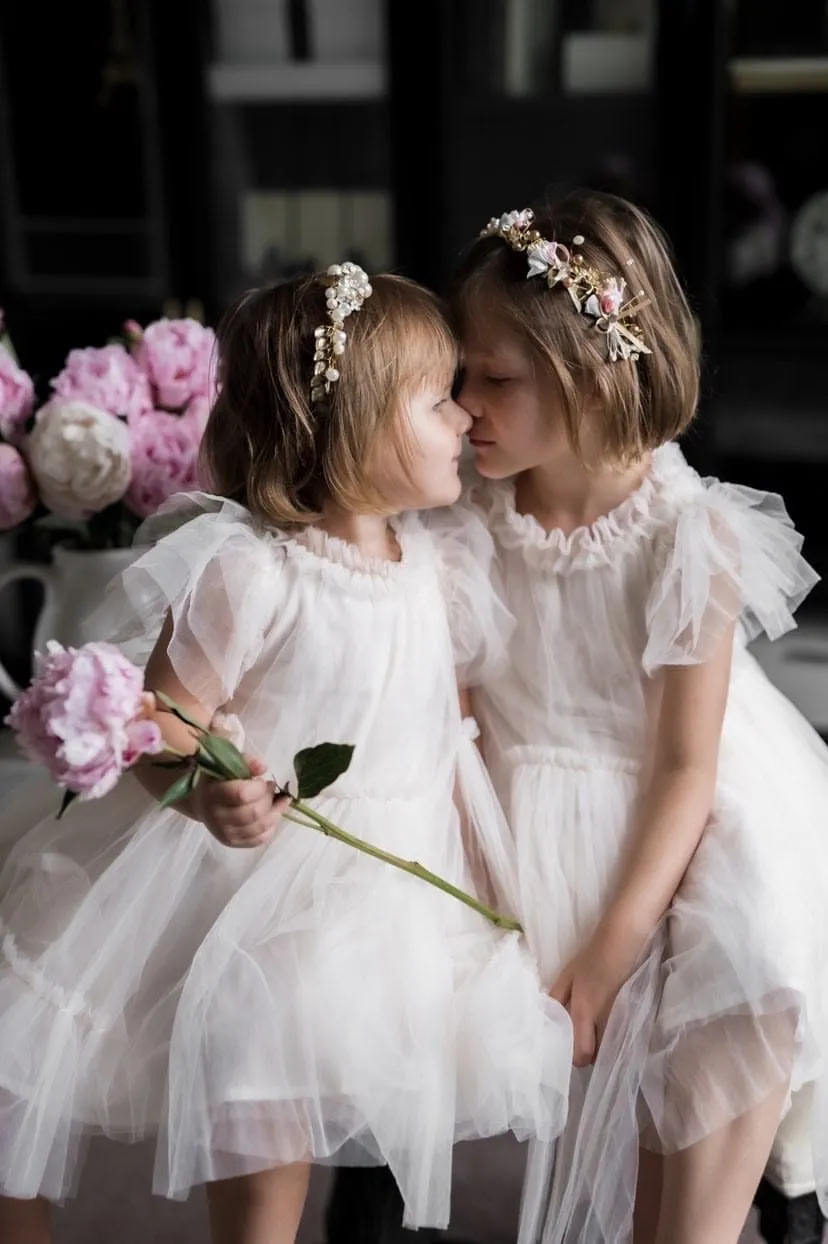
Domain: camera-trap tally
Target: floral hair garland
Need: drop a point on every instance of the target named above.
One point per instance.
(594, 293)
(347, 291)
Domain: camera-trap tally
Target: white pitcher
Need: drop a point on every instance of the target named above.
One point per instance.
(73, 586)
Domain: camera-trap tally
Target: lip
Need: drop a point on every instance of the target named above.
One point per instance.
(479, 443)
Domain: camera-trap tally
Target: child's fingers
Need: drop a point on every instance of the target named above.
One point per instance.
(257, 831)
(256, 765)
(241, 793)
(561, 991)
(584, 1043)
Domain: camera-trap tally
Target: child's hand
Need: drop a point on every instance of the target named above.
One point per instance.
(242, 813)
(588, 987)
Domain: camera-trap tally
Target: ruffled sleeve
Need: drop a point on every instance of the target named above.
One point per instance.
(731, 555)
(203, 562)
(480, 623)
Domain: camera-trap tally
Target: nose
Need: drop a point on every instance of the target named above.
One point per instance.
(464, 419)
(465, 399)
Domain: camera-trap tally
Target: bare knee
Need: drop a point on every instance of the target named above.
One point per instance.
(262, 1208)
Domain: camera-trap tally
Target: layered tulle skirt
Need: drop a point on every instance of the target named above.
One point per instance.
(729, 1002)
(256, 1008)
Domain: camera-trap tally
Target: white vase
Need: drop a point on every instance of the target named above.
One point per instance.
(73, 586)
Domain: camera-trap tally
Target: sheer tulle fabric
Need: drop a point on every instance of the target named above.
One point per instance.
(728, 1004)
(300, 1001)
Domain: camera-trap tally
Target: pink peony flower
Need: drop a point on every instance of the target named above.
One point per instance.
(108, 378)
(177, 356)
(16, 397)
(18, 496)
(197, 413)
(82, 717)
(164, 455)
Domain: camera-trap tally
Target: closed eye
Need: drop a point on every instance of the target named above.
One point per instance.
(498, 380)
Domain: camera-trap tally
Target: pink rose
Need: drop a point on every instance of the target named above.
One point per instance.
(164, 457)
(18, 496)
(16, 397)
(83, 717)
(177, 356)
(108, 378)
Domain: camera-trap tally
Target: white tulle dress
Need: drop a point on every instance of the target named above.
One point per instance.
(298, 1001)
(731, 999)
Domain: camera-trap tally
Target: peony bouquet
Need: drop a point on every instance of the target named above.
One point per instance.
(87, 717)
(119, 433)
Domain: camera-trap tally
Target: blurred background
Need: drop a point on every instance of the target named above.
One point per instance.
(158, 156)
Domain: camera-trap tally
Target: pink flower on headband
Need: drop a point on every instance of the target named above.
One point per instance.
(550, 259)
(611, 296)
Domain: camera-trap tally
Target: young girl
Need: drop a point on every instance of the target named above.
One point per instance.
(669, 805)
(295, 1001)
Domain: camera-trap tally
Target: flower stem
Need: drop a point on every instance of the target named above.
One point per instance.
(321, 823)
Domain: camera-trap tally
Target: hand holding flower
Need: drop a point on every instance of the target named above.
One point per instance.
(88, 718)
(240, 813)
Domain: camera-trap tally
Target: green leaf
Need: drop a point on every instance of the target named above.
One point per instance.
(69, 797)
(210, 766)
(179, 712)
(179, 790)
(226, 755)
(317, 767)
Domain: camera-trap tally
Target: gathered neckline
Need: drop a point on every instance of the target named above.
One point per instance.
(589, 544)
(338, 558)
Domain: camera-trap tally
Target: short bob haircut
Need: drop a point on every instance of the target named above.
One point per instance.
(267, 447)
(643, 404)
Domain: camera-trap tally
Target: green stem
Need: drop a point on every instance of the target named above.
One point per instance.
(173, 751)
(317, 821)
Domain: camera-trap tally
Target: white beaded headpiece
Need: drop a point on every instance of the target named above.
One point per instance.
(596, 294)
(349, 287)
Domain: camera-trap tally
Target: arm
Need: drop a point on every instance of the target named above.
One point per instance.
(675, 809)
(678, 800)
(481, 876)
(241, 813)
(160, 676)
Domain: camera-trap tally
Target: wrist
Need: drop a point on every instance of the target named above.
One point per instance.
(627, 927)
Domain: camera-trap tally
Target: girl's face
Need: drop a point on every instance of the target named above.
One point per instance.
(434, 427)
(514, 423)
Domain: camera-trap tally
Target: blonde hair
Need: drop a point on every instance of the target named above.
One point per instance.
(267, 447)
(642, 404)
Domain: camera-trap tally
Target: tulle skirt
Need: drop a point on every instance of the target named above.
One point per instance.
(255, 1008)
(728, 1003)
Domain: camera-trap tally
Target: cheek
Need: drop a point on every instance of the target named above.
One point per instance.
(435, 441)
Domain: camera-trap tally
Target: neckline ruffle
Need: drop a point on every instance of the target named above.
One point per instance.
(340, 559)
(589, 545)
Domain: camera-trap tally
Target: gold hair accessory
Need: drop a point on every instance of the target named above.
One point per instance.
(347, 291)
(596, 294)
